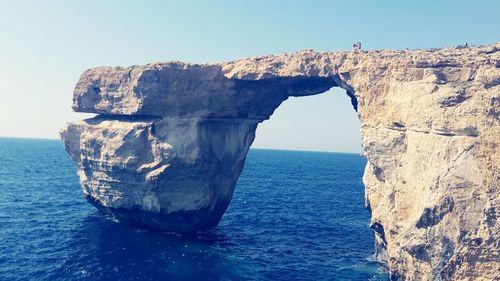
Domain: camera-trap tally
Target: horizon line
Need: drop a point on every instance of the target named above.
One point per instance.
(258, 148)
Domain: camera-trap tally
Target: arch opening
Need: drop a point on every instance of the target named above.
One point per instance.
(307, 195)
(320, 122)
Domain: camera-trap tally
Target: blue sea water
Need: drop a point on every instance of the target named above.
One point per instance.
(294, 216)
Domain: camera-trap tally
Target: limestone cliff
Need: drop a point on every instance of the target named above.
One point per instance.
(171, 139)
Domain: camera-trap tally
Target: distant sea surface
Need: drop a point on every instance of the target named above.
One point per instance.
(294, 216)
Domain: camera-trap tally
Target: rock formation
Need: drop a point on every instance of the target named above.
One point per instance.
(170, 140)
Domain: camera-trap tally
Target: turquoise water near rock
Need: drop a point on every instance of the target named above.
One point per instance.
(294, 216)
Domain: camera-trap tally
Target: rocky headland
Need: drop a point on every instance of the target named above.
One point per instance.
(170, 140)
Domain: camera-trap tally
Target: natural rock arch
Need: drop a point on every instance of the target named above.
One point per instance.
(171, 139)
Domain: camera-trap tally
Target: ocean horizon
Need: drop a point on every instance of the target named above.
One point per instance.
(251, 148)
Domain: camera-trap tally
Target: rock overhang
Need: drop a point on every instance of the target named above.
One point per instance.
(164, 89)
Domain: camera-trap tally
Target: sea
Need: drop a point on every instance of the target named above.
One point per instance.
(295, 215)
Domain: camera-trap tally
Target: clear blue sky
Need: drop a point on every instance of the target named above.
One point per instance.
(45, 46)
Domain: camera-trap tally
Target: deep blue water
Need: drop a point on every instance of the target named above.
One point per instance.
(294, 216)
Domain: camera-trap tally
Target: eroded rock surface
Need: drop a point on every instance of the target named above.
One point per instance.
(171, 139)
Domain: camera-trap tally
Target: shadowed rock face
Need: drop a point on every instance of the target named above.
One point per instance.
(171, 139)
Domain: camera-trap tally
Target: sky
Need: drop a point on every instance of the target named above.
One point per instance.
(46, 45)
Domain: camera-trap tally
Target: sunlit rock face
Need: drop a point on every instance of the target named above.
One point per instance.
(171, 139)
